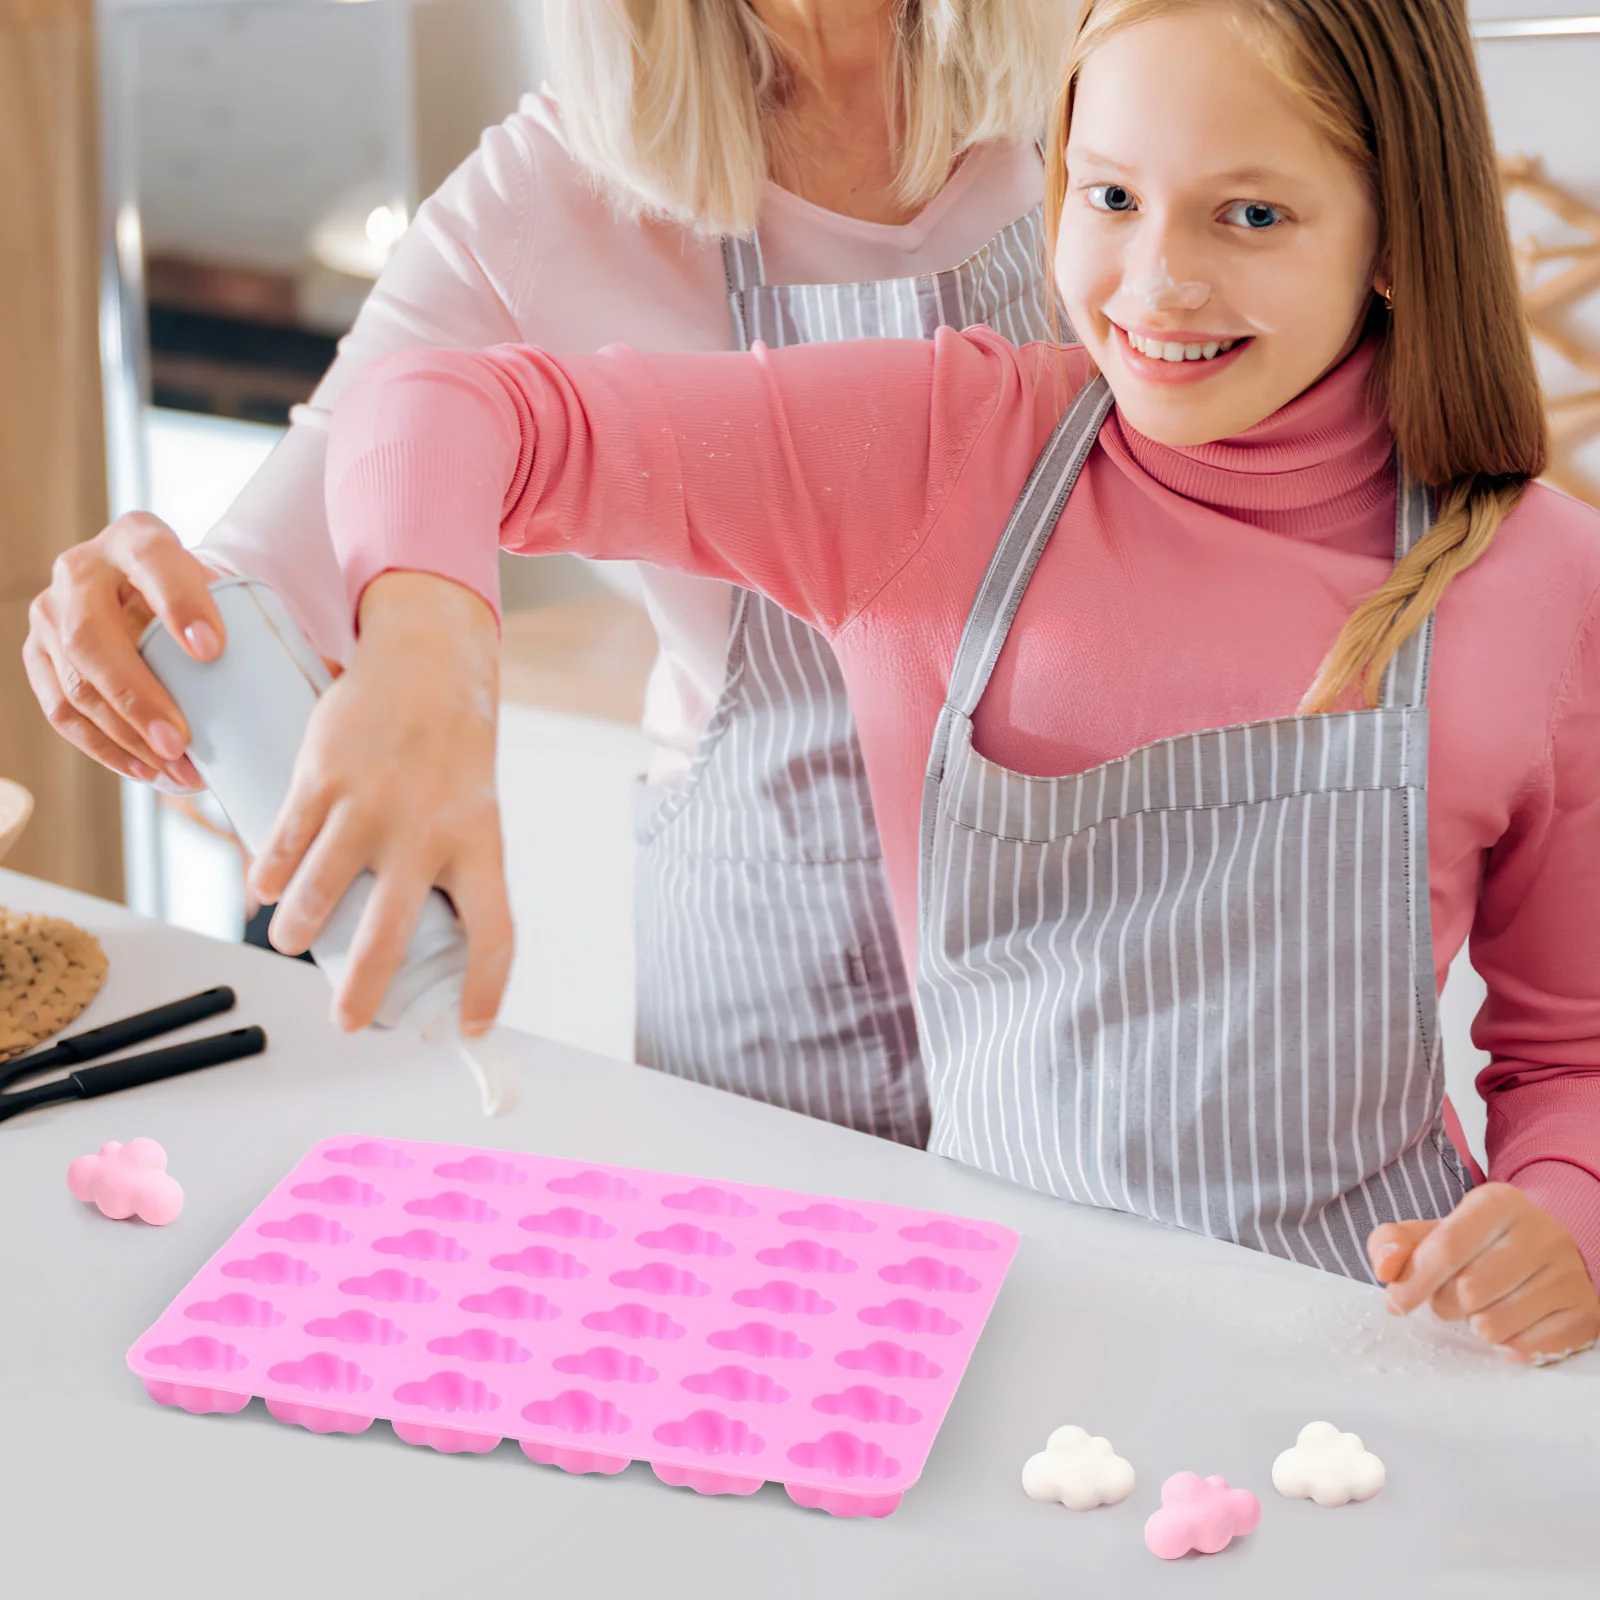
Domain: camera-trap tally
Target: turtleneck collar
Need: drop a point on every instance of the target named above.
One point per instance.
(1323, 461)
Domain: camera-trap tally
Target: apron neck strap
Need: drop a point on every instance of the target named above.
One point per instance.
(1032, 521)
(743, 268)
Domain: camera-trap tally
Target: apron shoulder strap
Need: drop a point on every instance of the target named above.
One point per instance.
(743, 268)
(1405, 683)
(1032, 521)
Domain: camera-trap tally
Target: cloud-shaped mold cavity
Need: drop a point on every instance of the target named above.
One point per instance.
(236, 1311)
(946, 1235)
(594, 1185)
(356, 1327)
(202, 1353)
(339, 1190)
(481, 1169)
(686, 1239)
(450, 1392)
(568, 1222)
(909, 1316)
(422, 1244)
(371, 1154)
(1201, 1514)
(828, 1218)
(889, 1360)
(513, 1305)
(737, 1383)
(845, 1456)
(709, 1201)
(776, 1295)
(453, 1206)
(1077, 1470)
(1327, 1466)
(607, 1364)
(867, 1404)
(306, 1227)
(540, 1261)
(927, 1272)
(634, 1321)
(577, 1411)
(659, 1277)
(480, 1344)
(391, 1285)
(761, 1339)
(273, 1266)
(709, 1433)
(806, 1255)
(322, 1374)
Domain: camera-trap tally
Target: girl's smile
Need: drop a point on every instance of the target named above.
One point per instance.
(1157, 355)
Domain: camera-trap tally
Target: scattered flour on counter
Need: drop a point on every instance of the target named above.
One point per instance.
(1391, 1345)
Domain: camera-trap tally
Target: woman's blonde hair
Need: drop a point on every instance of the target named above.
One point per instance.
(1395, 85)
(677, 106)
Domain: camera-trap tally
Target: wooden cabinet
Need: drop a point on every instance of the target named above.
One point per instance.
(52, 458)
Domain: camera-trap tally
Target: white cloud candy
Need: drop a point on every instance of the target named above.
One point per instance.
(1327, 1466)
(1077, 1470)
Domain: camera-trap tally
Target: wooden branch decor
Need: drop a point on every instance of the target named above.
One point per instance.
(1550, 297)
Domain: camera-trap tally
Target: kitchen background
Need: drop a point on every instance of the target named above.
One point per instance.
(261, 157)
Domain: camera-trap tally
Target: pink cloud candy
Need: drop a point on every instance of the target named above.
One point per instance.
(1201, 1514)
(128, 1180)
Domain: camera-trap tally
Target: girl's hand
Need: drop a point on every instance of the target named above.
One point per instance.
(81, 652)
(397, 773)
(1511, 1271)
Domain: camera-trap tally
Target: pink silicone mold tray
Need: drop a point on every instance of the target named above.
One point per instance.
(724, 1333)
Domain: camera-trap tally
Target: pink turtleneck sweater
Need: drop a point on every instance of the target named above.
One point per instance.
(863, 487)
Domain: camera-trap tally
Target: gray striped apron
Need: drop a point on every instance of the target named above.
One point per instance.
(768, 960)
(1196, 983)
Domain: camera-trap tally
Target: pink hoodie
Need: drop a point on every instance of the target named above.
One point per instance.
(863, 487)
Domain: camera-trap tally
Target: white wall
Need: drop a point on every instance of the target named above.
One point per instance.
(473, 60)
(256, 119)
(1543, 99)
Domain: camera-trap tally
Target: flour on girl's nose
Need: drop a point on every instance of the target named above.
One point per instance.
(1160, 292)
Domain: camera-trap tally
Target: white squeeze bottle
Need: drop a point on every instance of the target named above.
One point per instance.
(247, 713)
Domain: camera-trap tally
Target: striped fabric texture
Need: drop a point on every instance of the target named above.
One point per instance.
(1194, 984)
(768, 961)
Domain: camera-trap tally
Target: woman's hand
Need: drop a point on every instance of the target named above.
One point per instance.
(397, 774)
(1499, 1263)
(81, 652)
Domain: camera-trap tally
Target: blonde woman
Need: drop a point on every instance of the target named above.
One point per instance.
(706, 175)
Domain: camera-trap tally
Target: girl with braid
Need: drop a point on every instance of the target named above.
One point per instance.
(1216, 677)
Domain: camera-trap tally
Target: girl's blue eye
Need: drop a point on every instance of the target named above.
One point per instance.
(1110, 197)
(1255, 215)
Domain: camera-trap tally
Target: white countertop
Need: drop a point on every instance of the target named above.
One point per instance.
(1186, 1352)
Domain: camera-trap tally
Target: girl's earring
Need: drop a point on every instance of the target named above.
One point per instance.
(1388, 298)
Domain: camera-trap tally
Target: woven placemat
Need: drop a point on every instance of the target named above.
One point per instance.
(49, 971)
